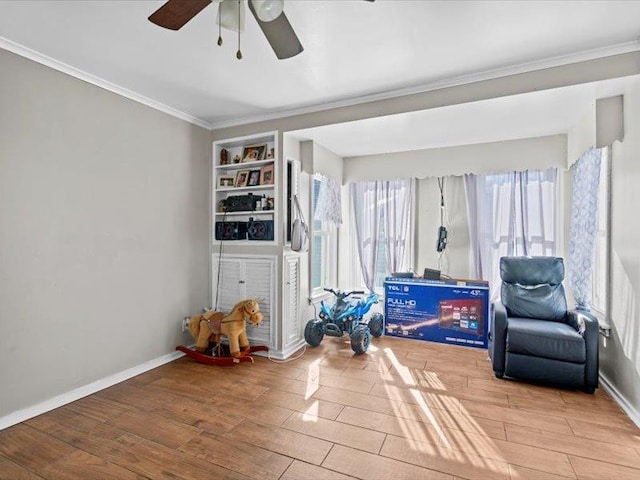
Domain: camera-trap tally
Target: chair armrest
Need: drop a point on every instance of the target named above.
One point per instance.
(498, 336)
(588, 326)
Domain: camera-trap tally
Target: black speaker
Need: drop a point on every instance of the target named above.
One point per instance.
(442, 239)
(231, 230)
(431, 274)
(241, 203)
(260, 229)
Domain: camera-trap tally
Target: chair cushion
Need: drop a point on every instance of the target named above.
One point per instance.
(532, 270)
(543, 301)
(539, 338)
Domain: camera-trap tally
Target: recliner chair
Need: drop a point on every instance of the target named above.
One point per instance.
(532, 336)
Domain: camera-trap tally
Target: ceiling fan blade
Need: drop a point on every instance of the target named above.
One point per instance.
(176, 13)
(280, 35)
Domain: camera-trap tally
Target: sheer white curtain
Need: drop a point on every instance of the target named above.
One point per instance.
(510, 214)
(382, 211)
(367, 207)
(398, 201)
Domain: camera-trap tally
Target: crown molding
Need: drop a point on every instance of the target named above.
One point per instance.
(38, 57)
(558, 61)
(584, 56)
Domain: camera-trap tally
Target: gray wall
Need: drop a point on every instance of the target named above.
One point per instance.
(620, 354)
(104, 210)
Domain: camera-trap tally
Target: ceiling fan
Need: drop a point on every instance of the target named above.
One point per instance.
(269, 14)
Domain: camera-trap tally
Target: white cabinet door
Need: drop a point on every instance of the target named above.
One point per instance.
(243, 277)
(228, 287)
(292, 327)
(260, 284)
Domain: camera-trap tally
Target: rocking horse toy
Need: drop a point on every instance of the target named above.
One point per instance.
(208, 328)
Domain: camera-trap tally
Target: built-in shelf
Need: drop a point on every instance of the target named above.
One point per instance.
(252, 227)
(247, 212)
(245, 165)
(245, 189)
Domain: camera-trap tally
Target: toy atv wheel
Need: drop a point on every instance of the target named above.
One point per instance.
(360, 339)
(314, 332)
(376, 324)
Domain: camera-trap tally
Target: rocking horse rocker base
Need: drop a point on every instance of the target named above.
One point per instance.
(223, 361)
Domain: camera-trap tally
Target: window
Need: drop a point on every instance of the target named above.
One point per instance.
(511, 214)
(600, 281)
(378, 238)
(381, 261)
(323, 249)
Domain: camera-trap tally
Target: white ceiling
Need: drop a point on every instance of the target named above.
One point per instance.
(352, 49)
(548, 112)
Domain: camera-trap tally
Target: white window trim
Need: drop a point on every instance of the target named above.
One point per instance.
(604, 318)
(330, 233)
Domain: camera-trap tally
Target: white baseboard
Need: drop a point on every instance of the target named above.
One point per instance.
(78, 393)
(629, 409)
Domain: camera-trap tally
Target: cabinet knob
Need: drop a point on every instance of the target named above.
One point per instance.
(241, 281)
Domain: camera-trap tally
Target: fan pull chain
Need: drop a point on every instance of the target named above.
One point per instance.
(239, 53)
(219, 24)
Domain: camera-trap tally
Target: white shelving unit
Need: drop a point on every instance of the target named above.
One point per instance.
(240, 270)
(224, 174)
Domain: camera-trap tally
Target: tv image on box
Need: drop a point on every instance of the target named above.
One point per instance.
(462, 315)
(259, 229)
(231, 230)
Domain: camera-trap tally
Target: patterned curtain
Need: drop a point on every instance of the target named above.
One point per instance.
(584, 224)
(329, 206)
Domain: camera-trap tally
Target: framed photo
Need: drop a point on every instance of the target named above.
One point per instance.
(254, 178)
(252, 153)
(226, 181)
(266, 175)
(242, 177)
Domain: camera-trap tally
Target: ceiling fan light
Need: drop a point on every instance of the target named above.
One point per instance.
(268, 10)
(228, 15)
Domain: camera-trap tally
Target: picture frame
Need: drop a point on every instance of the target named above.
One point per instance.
(242, 177)
(266, 175)
(253, 153)
(226, 181)
(254, 178)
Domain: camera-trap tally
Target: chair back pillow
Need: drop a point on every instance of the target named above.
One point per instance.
(532, 287)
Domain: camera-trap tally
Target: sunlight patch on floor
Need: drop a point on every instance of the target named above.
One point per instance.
(313, 378)
(404, 372)
(311, 414)
(443, 441)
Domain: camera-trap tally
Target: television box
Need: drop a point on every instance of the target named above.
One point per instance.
(446, 311)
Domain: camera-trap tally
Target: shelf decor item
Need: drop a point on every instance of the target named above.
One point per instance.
(266, 175)
(242, 177)
(253, 153)
(254, 178)
(224, 157)
(226, 181)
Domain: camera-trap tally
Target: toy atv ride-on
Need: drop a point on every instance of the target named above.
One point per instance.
(345, 316)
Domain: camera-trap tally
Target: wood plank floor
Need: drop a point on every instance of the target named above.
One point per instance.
(405, 410)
